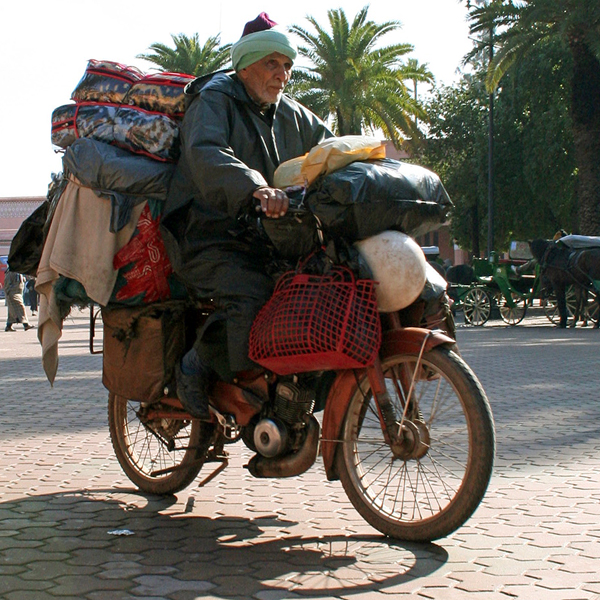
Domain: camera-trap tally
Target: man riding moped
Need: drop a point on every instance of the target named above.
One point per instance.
(237, 129)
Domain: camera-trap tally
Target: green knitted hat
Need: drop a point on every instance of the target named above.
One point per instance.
(251, 47)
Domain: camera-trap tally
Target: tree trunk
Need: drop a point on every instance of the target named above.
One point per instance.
(585, 112)
(475, 233)
(341, 122)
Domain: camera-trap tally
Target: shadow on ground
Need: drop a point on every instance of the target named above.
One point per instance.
(134, 546)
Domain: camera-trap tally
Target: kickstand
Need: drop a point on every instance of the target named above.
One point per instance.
(215, 456)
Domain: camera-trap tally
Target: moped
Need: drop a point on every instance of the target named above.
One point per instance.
(410, 434)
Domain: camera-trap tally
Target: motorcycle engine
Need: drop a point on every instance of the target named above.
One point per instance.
(279, 432)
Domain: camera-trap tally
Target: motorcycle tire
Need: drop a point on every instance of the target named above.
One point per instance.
(160, 457)
(432, 490)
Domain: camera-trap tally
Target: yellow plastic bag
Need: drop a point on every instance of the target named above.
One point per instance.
(328, 156)
(289, 173)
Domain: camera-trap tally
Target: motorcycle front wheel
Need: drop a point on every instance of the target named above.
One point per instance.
(160, 456)
(432, 489)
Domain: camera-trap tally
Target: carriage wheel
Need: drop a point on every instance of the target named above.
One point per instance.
(477, 306)
(551, 307)
(512, 315)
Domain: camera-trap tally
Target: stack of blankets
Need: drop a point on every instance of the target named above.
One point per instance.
(120, 105)
(120, 138)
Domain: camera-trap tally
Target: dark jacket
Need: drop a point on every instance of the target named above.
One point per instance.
(228, 150)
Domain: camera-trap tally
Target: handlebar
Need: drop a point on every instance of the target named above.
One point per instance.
(296, 196)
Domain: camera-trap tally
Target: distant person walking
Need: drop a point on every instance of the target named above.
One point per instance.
(14, 284)
(32, 295)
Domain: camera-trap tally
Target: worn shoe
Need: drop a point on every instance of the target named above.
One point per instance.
(27, 326)
(193, 387)
(9, 328)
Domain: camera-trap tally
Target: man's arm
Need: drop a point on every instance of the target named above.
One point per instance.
(217, 173)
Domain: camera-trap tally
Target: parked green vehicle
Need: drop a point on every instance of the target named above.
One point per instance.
(510, 285)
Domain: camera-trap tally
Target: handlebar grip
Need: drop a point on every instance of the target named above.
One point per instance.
(296, 202)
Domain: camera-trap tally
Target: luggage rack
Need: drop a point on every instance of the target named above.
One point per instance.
(95, 311)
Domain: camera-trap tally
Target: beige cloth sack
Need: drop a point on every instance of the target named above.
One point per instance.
(328, 156)
(79, 245)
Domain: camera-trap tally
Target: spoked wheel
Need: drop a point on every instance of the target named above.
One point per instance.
(477, 306)
(551, 306)
(432, 484)
(160, 455)
(512, 315)
(593, 310)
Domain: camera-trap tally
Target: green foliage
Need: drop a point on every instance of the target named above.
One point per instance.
(456, 148)
(523, 30)
(360, 85)
(520, 26)
(189, 55)
(534, 166)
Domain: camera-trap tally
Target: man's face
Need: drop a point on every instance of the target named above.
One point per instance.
(266, 79)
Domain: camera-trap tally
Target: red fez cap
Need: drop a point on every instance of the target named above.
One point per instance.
(261, 23)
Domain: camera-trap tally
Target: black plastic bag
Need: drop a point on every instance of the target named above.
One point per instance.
(27, 245)
(366, 198)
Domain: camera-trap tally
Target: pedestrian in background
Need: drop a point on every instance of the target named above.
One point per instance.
(32, 295)
(14, 284)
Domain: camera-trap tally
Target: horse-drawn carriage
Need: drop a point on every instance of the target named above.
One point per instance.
(493, 284)
(511, 286)
(570, 266)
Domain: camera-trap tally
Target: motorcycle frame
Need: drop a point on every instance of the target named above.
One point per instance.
(231, 399)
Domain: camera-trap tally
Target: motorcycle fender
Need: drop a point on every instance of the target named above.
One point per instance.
(336, 406)
(408, 340)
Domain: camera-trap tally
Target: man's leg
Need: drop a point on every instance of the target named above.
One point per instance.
(239, 286)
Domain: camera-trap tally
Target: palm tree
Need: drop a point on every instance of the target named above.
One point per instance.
(359, 85)
(189, 56)
(522, 27)
(417, 72)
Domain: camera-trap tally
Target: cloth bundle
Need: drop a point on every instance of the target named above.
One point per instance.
(124, 178)
(121, 138)
(83, 261)
(160, 92)
(84, 120)
(120, 105)
(105, 81)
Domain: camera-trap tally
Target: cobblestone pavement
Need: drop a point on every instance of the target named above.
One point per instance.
(63, 495)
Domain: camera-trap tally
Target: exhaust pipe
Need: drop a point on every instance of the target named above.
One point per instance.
(289, 465)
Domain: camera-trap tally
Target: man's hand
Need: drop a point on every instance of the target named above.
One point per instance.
(274, 203)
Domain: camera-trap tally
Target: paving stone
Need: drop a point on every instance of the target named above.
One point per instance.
(32, 595)
(557, 579)
(536, 593)
(162, 586)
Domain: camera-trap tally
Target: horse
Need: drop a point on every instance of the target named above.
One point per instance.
(461, 274)
(562, 266)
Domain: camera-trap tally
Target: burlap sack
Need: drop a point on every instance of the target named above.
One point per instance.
(141, 347)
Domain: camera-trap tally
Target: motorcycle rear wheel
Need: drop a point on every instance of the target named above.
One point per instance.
(160, 457)
(432, 494)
